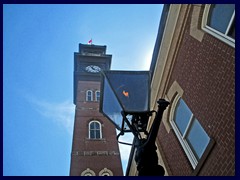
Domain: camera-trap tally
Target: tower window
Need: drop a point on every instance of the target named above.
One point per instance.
(97, 95)
(89, 95)
(95, 130)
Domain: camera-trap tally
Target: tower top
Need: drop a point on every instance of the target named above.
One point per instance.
(88, 63)
(91, 49)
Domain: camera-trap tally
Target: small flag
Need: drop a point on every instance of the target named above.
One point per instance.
(90, 41)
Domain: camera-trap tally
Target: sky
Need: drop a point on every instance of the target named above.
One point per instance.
(39, 42)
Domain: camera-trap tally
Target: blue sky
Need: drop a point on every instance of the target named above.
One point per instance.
(38, 46)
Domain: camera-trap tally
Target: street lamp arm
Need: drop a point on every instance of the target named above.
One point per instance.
(146, 156)
(162, 104)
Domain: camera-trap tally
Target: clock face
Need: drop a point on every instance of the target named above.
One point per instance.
(93, 69)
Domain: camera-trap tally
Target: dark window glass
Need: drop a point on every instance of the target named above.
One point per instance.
(97, 126)
(92, 125)
(97, 134)
(97, 95)
(219, 16)
(182, 116)
(231, 32)
(197, 138)
(92, 134)
(89, 95)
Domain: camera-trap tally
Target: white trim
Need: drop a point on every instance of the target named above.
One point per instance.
(223, 37)
(188, 126)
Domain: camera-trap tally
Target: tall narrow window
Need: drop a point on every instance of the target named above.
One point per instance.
(189, 131)
(219, 20)
(95, 130)
(89, 95)
(97, 95)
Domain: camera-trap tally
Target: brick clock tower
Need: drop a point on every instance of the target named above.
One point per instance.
(95, 150)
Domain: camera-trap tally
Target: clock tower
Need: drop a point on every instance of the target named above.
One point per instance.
(95, 150)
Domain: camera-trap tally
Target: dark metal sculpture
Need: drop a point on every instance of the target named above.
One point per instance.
(146, 156)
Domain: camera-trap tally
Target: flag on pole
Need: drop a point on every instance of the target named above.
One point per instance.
(90, 41)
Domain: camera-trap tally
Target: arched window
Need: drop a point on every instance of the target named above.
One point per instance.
(219, 21)
(97, 95)
(189, 131)
(89, 95)
(95, 130)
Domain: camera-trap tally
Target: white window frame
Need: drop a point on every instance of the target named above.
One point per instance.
(87, 96)
(89, 129)
(223, 37)
(96, 96)
(182, 138)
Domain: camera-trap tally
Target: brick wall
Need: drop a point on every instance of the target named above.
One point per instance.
(206, 72)
(89, 153)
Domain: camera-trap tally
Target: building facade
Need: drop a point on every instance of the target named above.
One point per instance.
(95, 150)
(193, 68)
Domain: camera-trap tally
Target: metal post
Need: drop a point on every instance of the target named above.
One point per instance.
(146, 155)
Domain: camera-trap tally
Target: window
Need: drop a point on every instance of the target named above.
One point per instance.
(95, 131)
(89, 95)
(189, 131)
(97, 95)
(219, 20)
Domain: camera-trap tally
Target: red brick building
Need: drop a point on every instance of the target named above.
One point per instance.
(193, 68)
(95, 150)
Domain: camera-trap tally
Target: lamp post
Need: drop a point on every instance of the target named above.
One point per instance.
(125, 99)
